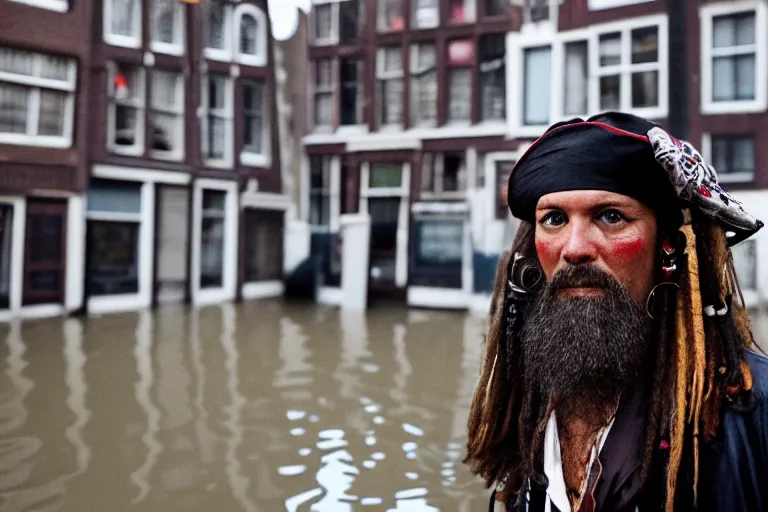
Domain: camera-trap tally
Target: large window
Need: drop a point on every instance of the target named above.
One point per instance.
(264, 245)
(423, 85)
(323, 90)
(733, 157)
(114, 220)
(319, 190)
(351, 16)
(36, 98)
(126, 108)
(324, 22)
(461, 11)
(251, 30)
(576, 83)
(167, 26)
(443, 173)
(122, 22)
(493, 84)
(212, 239)
(536, 85)
(438, 247)
(629, 80)
(217, 122)
(390, 15)
(425, 13)
(352, 99)
(461, 57)
(255, 127)
(734, 57)
(217, 29)
(389, 80)
(167, 114)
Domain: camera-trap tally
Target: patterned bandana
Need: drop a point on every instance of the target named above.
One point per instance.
(627, 155)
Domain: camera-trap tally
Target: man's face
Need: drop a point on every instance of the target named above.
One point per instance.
(612, 232)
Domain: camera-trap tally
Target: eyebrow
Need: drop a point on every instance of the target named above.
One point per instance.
(598, 206)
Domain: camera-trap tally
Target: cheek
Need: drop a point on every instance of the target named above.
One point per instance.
(548, 256)
(628, 249)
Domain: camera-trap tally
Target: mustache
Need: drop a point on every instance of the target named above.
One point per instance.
(583, 276)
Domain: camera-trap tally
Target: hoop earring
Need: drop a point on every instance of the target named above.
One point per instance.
(652, 294)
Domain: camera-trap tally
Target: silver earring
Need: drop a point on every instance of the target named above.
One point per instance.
(651, 296)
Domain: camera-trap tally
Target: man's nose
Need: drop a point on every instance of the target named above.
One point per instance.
(579, 248)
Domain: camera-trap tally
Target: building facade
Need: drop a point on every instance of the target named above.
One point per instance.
(419, 108)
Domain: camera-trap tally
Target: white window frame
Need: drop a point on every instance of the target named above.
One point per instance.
(417, 68)
(381, 74)
(51, 5)
(599, 5)
(69, 85)
(140, 104)
(175, 110)
(707, 13)
(222, 54)
(226, 113)
(260, 159)
(517, 43)
(315, 89)
(735, 177)
(260, 57)
(334, 38)
(177, 47)
(133, 41)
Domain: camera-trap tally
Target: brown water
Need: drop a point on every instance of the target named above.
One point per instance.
(260, 406)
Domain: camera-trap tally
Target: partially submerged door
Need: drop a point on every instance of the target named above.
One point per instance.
(45, 251)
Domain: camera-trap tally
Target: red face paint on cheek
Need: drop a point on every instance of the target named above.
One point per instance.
(628, 248)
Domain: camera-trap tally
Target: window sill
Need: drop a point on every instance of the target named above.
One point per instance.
(251, 60)
(734, 107)
(331, 41)
(217, 54)
(28, 140)
(51, 5)
(255, 159)
(124, 41)
(601, 5)
(176, 156)
(127, 150)
(167, 48)
(352, 129)
(219, 164)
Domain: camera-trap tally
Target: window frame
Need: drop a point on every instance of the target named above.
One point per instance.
(707, 151)
(707, 14)
(333, 38)
(324, 192)
(177, 110)
(140, 104)
(388, 76)
(437, 171)
(417, 72)
(325, 90)
(222, 54)
(258, 59)
(61, 6)
(248, 157)
(226, 113)
(483, 74)
(469, 66)
(359, 99)
(414, 11)
(179, 28)
(132, 41)
(36, 85)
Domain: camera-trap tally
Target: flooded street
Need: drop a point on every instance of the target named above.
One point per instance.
(259, 406)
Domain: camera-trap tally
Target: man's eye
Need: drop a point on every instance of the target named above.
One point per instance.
(553, 219)
(612, 217)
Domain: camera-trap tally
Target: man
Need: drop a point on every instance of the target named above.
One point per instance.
(617, 373)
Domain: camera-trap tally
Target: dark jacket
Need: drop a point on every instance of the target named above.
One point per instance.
(733, 474)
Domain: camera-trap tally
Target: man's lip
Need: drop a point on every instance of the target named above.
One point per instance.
(582, 290)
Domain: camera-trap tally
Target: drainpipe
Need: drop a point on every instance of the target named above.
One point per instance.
(679, 69)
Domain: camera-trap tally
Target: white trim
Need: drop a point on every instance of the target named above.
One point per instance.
(265, 201)
(114, 216)
(51, 5)
(441, 298)
(142, 175)
(262, 290)
(132, 41)
(707, 13)
(260, 57)
(42, 311)
(18, 239)
(75, 271)
(330, 296)
(179, 29)
(599, 5)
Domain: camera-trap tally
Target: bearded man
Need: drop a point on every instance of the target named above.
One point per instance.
(617, 373)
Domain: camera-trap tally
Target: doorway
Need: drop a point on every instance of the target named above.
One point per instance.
(172, 246)
(45, 252)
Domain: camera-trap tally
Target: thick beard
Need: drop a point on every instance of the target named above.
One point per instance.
(583, 351)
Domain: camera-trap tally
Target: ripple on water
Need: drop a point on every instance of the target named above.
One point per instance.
(413, 430)
(291, 470)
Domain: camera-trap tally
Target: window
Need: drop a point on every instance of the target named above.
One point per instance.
(255, 127)
(390, 15)
(36, 98)
(167, 22)
(493, 83)
(733, 57)
(536, 85)
(323, 92)
(733, 157)
(503, 170)
(443, 173)
(114, 221)
(351, 16)
(212, 239)
(167, 115)
(745, 263)
(385, 176)
(423, 85)
(389, 81)
(575, 83)
(217, 123)
(438, 249)
(217, 29)
(425, 13)
(122, 22)
(632, 84)
(251, 24)
(495, 7)
(337, 21)
(461, 56)
(264, 245)
(461, 11)
(352, 99)
(126, 109)
(319, 190)
(324, 14)
(535, 11)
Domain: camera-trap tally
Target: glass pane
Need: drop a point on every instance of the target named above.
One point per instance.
(460, 94)
(461, 11)
(323, 109)
(723, 78)
(124, 19)
(537, 86)
(744, 154)
(576, 66)
(212, 253)
(217, 92)
(215, 24)
(113, 258)
(167, 131)
(114, 196)
(254, 134)
(645, 89)
(745, 28)
(440, 242)
(645, 45)
(454, 172)
(249, 35)
(391, 15)
(319, 210)
(393, 59)
(384, 212)
(351, 92)
(52, 107)
(15, 61)
(323, 21)
(217, 136)
(125, 125)
(385, 175)
(720, 146)
(164, 21)
(14, 104)
(495, 7)
(425, 14)
(723, 31)
(392, 94)
(165, 89)
(610, 92)
(745, 77)
(351, 14)
(745, 262)
(424, 96)
(324, 73)
(127, 83)
(428, 172)
(264, 243)
(214, 202)
(610, 49)
(54, 68)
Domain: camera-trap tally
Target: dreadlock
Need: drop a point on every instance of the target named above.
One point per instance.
(702, 328)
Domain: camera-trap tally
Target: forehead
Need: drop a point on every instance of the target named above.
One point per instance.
(588, 200)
